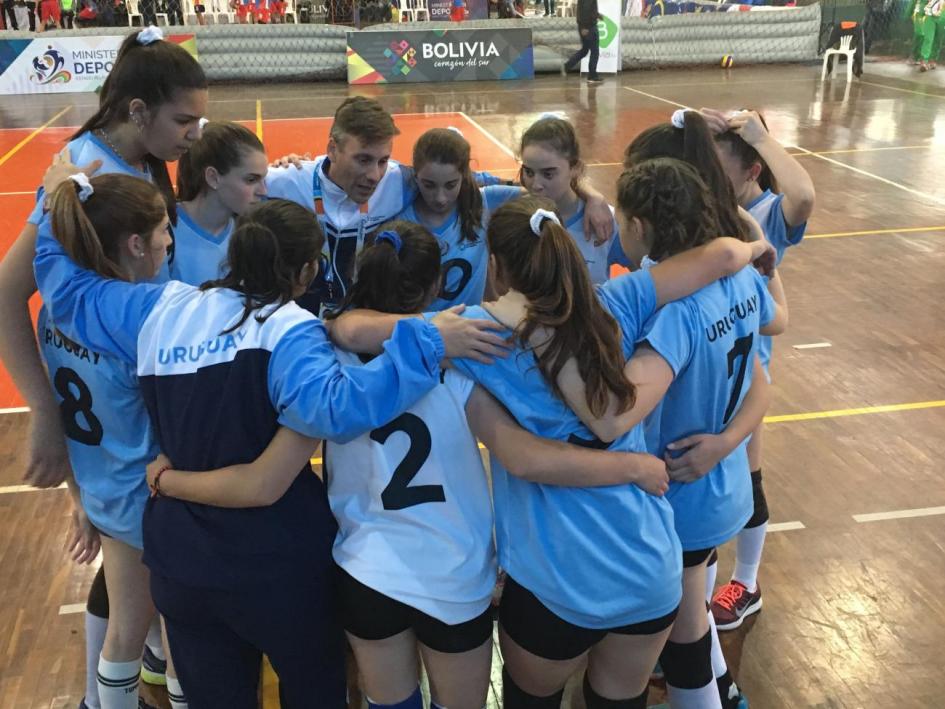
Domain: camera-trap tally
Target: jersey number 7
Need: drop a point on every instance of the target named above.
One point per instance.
(742, 348)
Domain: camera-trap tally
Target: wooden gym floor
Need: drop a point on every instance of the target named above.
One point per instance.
(854, 614)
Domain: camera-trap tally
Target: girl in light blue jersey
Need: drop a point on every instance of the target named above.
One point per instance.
(777, 191)
(218, 179)
(418, 483)
(551, 168)
(109, 436)
(220, 369)
(687, 137)
(451, 205)
(149, 109)
(700, 351)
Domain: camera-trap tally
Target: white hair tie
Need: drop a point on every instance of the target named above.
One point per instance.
(201, 124)
(679, 118)
(150, 35)
(85, 187)
(456, 130)
(539, 217)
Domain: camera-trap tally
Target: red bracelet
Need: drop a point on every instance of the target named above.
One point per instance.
(156, 485)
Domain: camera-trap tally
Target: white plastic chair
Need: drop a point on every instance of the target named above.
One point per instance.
(411, 9)
(134, 12)
(844, 51)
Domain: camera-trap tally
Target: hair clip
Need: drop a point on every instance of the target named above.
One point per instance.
(392, 238)
(150, 35)
(538, 219)
(679, 118)
(85, 187)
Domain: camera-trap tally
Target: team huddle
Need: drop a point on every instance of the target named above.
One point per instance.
(199, 344)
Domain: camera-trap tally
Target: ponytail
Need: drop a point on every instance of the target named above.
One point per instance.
(270, 246)
(694, 144)
(550, 272)
(92, 232)
(398, 273)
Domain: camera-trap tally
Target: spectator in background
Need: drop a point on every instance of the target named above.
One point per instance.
(587, 17)
(49, 13)
(9, 15)
(68, 13)
(457, 10)
(549, 8)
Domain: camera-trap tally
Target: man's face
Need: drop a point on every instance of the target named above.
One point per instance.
(357, 167)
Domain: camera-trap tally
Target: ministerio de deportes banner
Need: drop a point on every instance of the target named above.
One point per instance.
(60, 65)
(439, 55)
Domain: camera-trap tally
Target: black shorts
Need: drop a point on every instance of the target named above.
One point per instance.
(696, 557)
(537, 629)
(370, 615)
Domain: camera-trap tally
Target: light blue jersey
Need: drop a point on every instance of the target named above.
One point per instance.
(768, 211)
(108, 432)
(597, 258)
(710, 340)
(83, 150)
(199, 256)
(598, 557)
(465, 264)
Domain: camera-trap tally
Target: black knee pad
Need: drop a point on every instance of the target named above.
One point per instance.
(514, 697)
(760, 515)
(688, 665)
(594, 701)
(97, 604)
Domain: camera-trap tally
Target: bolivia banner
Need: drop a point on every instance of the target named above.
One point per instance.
(439, 55)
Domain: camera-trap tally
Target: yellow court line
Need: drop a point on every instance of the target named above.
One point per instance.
(896, 88)
(902, 230)
(873, 150)
(837, 413)
(16, 148)
(813, 415)
(259, 120)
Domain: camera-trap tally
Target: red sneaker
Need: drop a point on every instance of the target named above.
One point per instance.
(733, 603)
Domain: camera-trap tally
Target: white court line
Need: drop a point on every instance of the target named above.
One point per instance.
(504, 148)
(28, 488)
(900, 514)
(72, 608)
(15, 410)
(857, 170)
(655, 98)
(785, 526)
(813, 346)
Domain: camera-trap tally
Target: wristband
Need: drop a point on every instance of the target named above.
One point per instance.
(156, 485)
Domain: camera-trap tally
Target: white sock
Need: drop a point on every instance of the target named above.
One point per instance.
(748, 548)
(719, 667)
(154, 643)
(175, 694)
(702, 698)
(118, 684)
(95, 629)
(711, 571)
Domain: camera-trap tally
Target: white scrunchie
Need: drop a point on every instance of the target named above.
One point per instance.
(85, 187)
(456, 130)
(201, 124)
(150, 35)
(539, 217)
(560, 115)
(679, 118)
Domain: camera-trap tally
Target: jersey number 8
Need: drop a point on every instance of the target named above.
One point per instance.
(72, 405)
